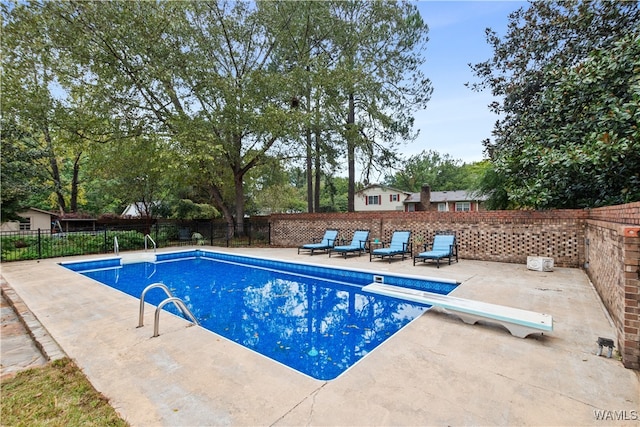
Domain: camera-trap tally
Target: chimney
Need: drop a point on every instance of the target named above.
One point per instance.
(425, 197)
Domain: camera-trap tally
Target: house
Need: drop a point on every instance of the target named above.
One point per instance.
(34, 219)
(139, 210)
(381, 198)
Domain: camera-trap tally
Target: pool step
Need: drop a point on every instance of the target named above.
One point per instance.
(520, 323)
(136, 258)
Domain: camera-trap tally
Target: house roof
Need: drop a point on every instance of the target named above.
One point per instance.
(436, 196)
(41, 211)
(447, 196)
(386, 187)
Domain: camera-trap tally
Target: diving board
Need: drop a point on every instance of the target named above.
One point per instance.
(521, 323)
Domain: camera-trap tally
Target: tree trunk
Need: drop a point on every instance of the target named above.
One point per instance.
(55, 172)
(318, 171)
(309, 171)
(351, 150)
(219, 203)
(73, 204)
(239, 189)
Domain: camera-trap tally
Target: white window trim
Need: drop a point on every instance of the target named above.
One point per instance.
(463, 206)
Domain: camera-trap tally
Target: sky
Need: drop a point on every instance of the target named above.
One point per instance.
(457, 119)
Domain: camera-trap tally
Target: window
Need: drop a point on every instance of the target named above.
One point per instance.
(411, 207)
(394, 197)
(442, 207)
(374, 200)
(25, 225)
(463, 206)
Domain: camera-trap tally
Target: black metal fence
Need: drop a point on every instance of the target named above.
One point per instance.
(39, 244)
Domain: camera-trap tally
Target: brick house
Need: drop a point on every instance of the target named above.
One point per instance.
(378, 197)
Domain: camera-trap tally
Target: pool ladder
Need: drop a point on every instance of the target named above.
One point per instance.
(175, 300)
(146, 238)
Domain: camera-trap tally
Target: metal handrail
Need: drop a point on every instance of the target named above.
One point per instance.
(177, 301)
(116, 247)
(148, 236)
(144, 293)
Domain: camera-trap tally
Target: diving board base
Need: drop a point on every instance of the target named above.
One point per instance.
(520, 323)
(515, 329)
(137, 257)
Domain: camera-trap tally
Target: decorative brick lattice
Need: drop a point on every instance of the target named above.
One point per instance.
(504, 236)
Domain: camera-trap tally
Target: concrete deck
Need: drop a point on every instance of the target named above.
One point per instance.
(436, 371)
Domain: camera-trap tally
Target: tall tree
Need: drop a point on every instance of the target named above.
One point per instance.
(20, 169)
(52, 97)
(196, 71)
(379, 48)
(567, 74)
(28, 64)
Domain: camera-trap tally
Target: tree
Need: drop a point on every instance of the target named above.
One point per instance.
(46, 93)
(440, 171)
(138, 171)
(194, 71)
(567, 73)
(303, 51)
(28, 74)
(379, 49)
(20, 173)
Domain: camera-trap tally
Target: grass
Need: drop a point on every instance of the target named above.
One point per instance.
(57, 394)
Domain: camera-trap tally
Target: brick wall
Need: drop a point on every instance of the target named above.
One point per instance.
(503, 236)
(613, 255)
(607, 238)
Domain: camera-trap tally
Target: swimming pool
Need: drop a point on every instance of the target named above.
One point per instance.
(314, 319)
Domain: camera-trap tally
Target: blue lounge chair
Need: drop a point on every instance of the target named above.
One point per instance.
(399, 245)
(358, 244)
(328, 241)
(444, 246)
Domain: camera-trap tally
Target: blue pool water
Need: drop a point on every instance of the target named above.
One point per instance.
(314, 319)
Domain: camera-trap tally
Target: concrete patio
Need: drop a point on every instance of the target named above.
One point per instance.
(436, 371)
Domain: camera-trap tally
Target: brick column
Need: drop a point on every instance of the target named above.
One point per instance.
(629, 340)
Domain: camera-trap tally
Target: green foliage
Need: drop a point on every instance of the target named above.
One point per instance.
(187, 210)
(568, 74)
(440, 171)
(153, 101)
(20, 174)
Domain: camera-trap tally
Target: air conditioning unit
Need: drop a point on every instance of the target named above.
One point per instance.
(539, 263)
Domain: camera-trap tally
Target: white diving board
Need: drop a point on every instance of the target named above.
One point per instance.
(520, 323)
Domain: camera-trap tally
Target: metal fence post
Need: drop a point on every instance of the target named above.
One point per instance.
(211, 231)
(39, 245)
(105, 240)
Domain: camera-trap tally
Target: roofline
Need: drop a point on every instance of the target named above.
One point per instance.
(384, 186)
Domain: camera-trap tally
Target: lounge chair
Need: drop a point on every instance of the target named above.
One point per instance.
(328, 241)
(444, 246)
(358, 244)
(399, 245)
